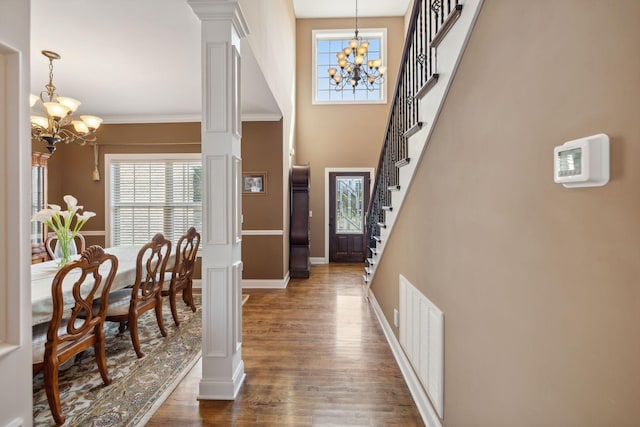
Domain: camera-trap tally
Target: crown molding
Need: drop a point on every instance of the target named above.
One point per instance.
(221, 10)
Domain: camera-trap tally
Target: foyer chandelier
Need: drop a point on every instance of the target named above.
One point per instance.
(56, 127)
(353, 69)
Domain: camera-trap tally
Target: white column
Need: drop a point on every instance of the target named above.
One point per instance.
(223, 26)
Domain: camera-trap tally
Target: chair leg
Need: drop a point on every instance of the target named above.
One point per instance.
(187, 295)
(163, 331)
(174, 309)
(133, 330)
(51, 387)
(101, 359)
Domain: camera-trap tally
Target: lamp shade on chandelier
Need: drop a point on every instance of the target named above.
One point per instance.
(58, 123)
(352, 70)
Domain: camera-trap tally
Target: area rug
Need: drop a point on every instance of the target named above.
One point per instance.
(138, 386)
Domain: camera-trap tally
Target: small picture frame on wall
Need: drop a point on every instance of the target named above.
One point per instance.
(254, 183)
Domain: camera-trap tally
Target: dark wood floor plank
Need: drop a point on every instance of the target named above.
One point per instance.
(314, 354)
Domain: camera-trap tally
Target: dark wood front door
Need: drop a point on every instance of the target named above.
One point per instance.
(348, 202)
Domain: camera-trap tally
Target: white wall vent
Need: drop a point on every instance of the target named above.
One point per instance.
(422, 338)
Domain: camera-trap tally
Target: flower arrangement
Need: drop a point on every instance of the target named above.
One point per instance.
(60, 222)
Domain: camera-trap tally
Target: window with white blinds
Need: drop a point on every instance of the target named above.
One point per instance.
(149, 195)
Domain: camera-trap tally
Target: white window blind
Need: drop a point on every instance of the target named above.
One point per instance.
(149, 196)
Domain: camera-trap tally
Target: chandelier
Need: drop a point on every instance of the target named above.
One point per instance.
(353, 69)
(56, 127)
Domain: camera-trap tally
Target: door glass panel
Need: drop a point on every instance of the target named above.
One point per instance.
(349, 204)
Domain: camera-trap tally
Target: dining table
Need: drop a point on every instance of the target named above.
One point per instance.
(42, 275)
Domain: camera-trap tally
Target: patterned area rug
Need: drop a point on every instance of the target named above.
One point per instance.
(139, 385)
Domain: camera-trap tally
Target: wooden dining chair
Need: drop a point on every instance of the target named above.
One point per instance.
(181, 276)
(74, 327)
(128, 304)
(52, 240)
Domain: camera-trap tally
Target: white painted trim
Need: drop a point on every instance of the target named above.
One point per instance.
(93, 232)
(263, 232)
(428, 413)
(319, 260)
(266, 284)
(132, 119)
(327, 171)
(15, 161)
(265, 117)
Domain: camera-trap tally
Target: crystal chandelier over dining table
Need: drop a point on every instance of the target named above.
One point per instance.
(352, 67)
(56, 126)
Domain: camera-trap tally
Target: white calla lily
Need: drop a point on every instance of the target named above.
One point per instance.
(71, 201)
(60, 222)
(43, 215)
(85, 216)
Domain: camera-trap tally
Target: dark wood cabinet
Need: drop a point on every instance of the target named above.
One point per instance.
(299, 264)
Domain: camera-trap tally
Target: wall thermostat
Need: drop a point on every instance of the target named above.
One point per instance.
(582, 162)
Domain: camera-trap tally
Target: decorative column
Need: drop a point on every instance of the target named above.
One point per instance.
(223, 26)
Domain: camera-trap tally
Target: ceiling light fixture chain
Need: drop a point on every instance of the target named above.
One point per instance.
(59, 110)
(354, 70)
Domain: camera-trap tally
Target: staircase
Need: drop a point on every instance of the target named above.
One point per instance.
(436, 37)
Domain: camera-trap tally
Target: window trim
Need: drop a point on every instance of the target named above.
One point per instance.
(141, 157)
(347, 34)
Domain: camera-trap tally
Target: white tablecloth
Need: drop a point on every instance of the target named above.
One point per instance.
(42, 278)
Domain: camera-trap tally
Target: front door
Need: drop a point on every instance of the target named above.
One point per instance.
(348, 202)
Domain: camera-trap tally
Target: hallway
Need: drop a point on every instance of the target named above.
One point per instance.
(314, 354)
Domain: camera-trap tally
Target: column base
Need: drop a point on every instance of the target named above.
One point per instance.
(212, 389)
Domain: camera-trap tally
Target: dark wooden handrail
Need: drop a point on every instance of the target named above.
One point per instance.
(418, 69)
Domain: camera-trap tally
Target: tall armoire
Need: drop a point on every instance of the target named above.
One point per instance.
(299, 264)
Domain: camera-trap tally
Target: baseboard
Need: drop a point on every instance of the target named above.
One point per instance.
(197, 283)
(266, 283)
(318, 260)
(429, 415)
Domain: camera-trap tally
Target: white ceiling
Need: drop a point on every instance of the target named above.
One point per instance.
(347, 8)
(134, 61)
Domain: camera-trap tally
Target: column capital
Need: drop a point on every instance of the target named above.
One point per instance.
(221, 10)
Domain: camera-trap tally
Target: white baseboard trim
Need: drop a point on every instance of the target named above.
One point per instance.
(197, 283)
(318, 260)
(429, 415)
(266, 284)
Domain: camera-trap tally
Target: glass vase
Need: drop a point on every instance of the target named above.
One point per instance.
(65, 248)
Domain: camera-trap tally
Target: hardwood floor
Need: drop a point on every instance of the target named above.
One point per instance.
(314, 354)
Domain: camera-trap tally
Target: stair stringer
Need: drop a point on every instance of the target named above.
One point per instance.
(449, 55)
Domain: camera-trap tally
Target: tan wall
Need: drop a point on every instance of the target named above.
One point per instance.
(71, 166)
(275, 52)
(261, 258)
(339, 135)
(538, 283)
(261, 152)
